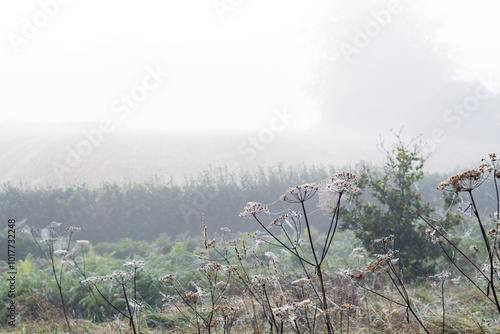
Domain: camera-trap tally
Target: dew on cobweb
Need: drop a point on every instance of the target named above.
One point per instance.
(465, 208)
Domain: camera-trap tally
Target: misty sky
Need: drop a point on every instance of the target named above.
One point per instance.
(227, 66)
(186, 66)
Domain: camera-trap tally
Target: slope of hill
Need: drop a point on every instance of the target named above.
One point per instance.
(52, 158)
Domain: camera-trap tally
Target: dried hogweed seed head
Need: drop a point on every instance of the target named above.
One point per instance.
(485, 168)
(170, 278)
(252, 209)
(465, 181)
(345, 182)
(494, 164)
(121, 277)
(299, 194)
(357, 251)
(91, 281)
(357, 277)
(347, 308)
(54, 224)
(192, 297)
(292, 219)
(60, 253)
(385, 240)
(49, 240)
(277, 222)
(442, 276)
(30, 230)
(211, 243)
(70, 256)
(221, 285)
(139, 264)
(210, 266)
(230, 269)
(431, 236)
(381, 261)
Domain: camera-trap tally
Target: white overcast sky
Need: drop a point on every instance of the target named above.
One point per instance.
(222, 74)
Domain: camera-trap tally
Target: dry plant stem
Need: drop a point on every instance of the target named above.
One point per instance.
(495, 242)
(463, 273)
(404, 294)
(294, 252)
(270, 309)
(381, 295)
(183, 314)
(325, 307)
(498, 195)
(310, 280)
(135, 298)
(318, 272)
(128, 308)
(244, 280)
(480, 327)
(58, 282)
(335, 216)
(302, 264)
(314, 320)
(187, 303)
(296, 326)
(61, 296)
(442, 303)
(107, 301)
(490, 255)
(50, 259)
(341, 323)
(255, 323)
(309, 234)
(453, 245)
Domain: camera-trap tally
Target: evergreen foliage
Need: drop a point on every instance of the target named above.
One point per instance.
(388, 204)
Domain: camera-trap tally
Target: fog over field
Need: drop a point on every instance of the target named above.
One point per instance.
(249, 166)
(126, 91)
(30, 158)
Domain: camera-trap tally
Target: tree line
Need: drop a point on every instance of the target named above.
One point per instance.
(143, 210)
